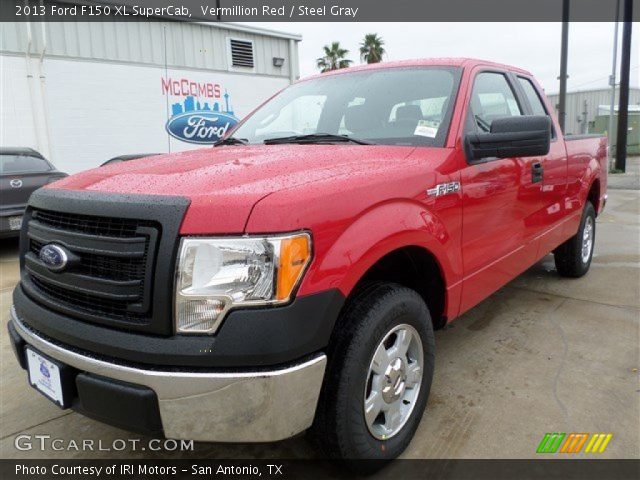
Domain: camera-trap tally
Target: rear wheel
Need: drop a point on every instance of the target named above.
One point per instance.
(381, 363)
(573, 257)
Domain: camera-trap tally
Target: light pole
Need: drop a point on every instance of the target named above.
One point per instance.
(612, 82)
(623, 105)
(562, 100)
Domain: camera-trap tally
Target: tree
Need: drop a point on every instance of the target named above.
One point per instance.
(334, 58)
(371, 49)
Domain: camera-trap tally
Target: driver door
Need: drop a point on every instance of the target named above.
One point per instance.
(500, 198)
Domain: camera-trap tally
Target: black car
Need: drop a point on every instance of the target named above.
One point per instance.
(22, 170)
(126, 158)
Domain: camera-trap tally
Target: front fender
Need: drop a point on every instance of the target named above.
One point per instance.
(376, 232)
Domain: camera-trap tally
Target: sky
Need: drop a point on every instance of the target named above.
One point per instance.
(532, 46)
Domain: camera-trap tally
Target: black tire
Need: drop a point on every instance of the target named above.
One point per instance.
(340, 428)
(568, 256)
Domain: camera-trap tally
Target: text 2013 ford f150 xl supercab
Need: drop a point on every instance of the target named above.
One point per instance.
(292, 276)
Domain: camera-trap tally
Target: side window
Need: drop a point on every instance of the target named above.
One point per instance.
(532, 96)
(537, 107)
(492, 98)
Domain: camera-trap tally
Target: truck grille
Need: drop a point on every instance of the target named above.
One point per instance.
(103, 266)
(109, 276)
(105, 226)
(83, 302)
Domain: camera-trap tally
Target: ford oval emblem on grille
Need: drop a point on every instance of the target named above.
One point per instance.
(54, 257)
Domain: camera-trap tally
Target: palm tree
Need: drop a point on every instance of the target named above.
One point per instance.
(334, 58)
(371, 49)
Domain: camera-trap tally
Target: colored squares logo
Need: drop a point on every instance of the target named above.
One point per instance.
(598, 443)
(550, 442)
(574, 443)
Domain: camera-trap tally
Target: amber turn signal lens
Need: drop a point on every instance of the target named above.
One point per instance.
(295, 253)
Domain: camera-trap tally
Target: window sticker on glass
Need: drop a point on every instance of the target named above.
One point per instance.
(426, 128)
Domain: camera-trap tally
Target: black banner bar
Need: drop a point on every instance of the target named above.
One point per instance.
(547, 469)
(307, 10)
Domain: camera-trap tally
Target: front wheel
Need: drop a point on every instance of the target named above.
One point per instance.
(381, 364)
(573, 257)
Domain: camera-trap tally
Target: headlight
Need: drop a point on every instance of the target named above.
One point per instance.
(216, 274)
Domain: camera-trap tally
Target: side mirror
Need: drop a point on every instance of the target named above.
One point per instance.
(525, 136)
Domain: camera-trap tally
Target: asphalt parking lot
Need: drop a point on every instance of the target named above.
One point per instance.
(543, 354)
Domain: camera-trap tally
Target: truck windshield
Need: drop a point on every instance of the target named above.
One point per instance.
(395, 106)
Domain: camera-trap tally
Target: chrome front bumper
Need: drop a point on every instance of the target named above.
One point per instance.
(260, 406)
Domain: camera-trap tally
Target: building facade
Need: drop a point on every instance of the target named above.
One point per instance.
(584, 106)
(81, 93)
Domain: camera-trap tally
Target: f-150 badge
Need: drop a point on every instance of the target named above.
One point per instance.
(443, 189)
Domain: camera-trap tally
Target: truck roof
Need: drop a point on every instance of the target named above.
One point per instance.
(420, 62)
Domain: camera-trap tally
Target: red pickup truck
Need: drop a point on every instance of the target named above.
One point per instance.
(291, 277)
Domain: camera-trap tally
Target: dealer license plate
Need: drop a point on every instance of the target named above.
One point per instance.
(44, 375)
(15, 223)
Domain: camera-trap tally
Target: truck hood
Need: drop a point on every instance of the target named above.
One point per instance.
(224, 183)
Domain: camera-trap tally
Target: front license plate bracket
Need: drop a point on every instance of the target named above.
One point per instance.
(54, 380)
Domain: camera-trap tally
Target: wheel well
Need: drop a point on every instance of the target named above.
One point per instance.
(594, 195)
(415, 268)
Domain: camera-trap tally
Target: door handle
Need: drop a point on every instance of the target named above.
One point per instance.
(536, 172)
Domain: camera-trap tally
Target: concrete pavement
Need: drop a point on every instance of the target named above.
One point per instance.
(630, 180)
(543, 354)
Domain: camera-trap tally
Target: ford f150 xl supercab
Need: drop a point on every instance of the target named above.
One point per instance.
(291, 276)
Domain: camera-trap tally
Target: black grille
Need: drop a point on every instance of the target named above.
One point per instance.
(89, 224)
(122, 251)
(103, 266)
(86, 303)
(110, 268)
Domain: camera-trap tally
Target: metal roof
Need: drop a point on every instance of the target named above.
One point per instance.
(251, 29)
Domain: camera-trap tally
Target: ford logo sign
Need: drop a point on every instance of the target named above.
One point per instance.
(200, 127)
(54, 257)
(45, 371)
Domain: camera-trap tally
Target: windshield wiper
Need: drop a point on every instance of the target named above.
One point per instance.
(231, 141)
(315, 138)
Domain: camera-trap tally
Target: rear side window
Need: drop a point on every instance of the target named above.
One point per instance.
(491, 98)
(16, 164)
(532, 96)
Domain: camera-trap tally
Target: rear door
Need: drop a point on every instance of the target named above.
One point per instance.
(20, 175)
(554, 170)
(501, 198)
